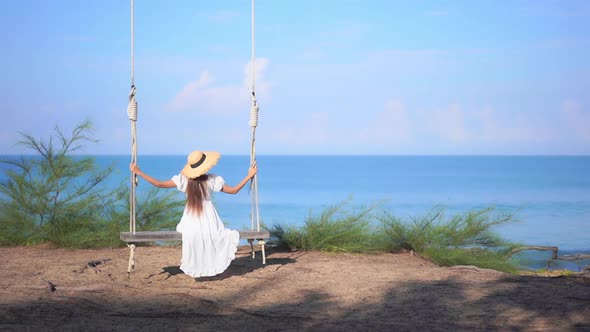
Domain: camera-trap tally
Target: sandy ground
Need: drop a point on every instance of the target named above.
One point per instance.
(293, 291)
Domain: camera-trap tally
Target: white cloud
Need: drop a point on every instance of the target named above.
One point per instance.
(577, 119)
(205, 95)
(495, 127)
(489, 126)
(311, 129)
(342, 132)
(449, 123)
(262, 85)
(392, 124)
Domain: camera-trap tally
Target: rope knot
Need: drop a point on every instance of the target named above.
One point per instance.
(254, 112)
(132, 106)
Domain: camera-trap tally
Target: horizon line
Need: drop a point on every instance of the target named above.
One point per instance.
(323, 155)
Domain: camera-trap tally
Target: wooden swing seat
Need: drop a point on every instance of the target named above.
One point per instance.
(151, 236)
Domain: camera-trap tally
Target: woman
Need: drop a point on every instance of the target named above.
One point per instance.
(207, 246)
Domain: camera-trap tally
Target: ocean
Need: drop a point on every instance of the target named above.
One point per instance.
(549, 196)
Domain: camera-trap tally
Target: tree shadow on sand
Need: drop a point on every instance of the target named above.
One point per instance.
(513, 303)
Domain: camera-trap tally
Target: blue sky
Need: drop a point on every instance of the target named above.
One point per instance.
(333, 77)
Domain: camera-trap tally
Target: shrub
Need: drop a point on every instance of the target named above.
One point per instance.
(50, 196)
(463, 239)
(335, 229)
(155, 210)
(57, 197)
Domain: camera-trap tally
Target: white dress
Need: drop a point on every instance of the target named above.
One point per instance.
(207, 246)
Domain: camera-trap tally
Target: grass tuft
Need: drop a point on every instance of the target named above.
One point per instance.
(337, 228)
(462, 239)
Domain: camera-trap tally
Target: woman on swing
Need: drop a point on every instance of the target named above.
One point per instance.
(207, 246)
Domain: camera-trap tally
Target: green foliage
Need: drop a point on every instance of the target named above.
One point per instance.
(473, 228)
(155, 210)
(48, 197)
(336, 229)
(464, 239)
(57, 197)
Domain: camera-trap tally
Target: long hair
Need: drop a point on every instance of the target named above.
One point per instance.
(196, 192)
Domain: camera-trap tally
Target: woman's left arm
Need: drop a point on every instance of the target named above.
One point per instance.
(234, 190)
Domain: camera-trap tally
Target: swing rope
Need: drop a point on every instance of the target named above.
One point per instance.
(132, 113)
(133, 237)
(255, 212)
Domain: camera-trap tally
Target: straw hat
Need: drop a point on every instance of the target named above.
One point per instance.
(198, 163)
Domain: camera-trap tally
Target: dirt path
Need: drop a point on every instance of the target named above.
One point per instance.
(294, 291)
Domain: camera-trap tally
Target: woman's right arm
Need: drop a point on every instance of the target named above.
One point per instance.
(160, 184)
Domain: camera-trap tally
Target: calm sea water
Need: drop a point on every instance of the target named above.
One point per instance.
(548, 195)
